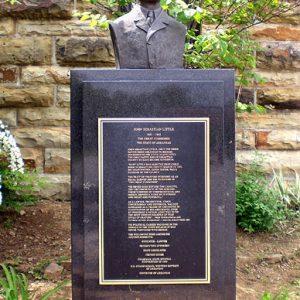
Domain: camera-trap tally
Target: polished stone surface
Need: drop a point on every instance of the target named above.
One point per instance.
(152, 93)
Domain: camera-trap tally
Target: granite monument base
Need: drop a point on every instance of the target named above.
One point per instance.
(153, 184)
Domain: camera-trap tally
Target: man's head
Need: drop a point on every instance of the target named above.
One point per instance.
(149, 1)
(150, 4)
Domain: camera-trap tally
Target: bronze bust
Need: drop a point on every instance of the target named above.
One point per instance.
(148, 38)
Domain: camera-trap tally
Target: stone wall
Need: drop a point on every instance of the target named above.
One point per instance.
(40, 42)
(275, 135)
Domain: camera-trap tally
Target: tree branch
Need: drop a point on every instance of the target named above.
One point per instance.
(266, 19)
(227, 15)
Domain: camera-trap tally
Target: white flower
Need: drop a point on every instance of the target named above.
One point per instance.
(9, 147)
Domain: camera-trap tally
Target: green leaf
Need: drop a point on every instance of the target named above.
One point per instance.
(93, 23)
(198, 17)
(220, 41)
(54, 290)
(85, 17)
(23, 284)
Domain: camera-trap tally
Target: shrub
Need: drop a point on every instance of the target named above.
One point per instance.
(289, 192)
(14, 286)
(258, 206)
(282, 295)
(17, 185)
(20, 189)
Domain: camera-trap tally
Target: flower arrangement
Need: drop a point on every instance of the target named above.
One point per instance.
(17, 185)
(9, 148)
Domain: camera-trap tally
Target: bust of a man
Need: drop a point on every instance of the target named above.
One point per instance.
(148, 38)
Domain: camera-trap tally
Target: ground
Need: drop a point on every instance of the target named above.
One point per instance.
(41, 234)
(269, 262)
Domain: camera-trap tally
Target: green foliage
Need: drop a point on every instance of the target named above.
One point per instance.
(54, 290)
(289, 192)
(12, 1)
(217, 35)
(38, 271)
(19, 189)
(282, 295)
(96, 20)
(14, 286)
(258, 206)
(61, 259)
(249, 107)
(8, 223)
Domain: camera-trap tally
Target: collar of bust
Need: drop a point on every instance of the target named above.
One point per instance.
(144, 11)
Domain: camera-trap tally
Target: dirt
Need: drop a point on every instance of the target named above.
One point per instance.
(269, 262)
(36, 236)
(266, 262)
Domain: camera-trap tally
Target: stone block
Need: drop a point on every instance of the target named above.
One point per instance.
(33, 158)
(51, 116)
(291, 17)
(47, 137)
(275, 130)
(26, 97)
(58, 187)
(261, 138)
(63, 96)
(38, 9)
(58, 28)
(287, 161)
(7, 26)
(47, 75)
(25, 51)
(279, 56)
(53, 272)
(83, 5)
(273, 32)
(278, 139)
(57, 161)
(9, 116)
(84, 51)
(9, 74)
(245, 139)
(284, 119)
(280, 97)
(280, 79)
(273, 258)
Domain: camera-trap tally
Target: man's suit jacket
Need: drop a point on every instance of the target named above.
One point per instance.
(138, 46)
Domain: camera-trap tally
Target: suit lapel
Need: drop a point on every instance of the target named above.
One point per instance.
(142, 25)
(139, 19)
(160, 22)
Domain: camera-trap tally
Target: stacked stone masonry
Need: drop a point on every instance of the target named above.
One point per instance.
(41, 41)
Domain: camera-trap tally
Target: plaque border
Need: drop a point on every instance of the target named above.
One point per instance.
(102, 280)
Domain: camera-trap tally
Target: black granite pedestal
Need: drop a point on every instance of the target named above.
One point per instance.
(153, 210)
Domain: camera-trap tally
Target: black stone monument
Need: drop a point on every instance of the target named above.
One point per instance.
(153, 184)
